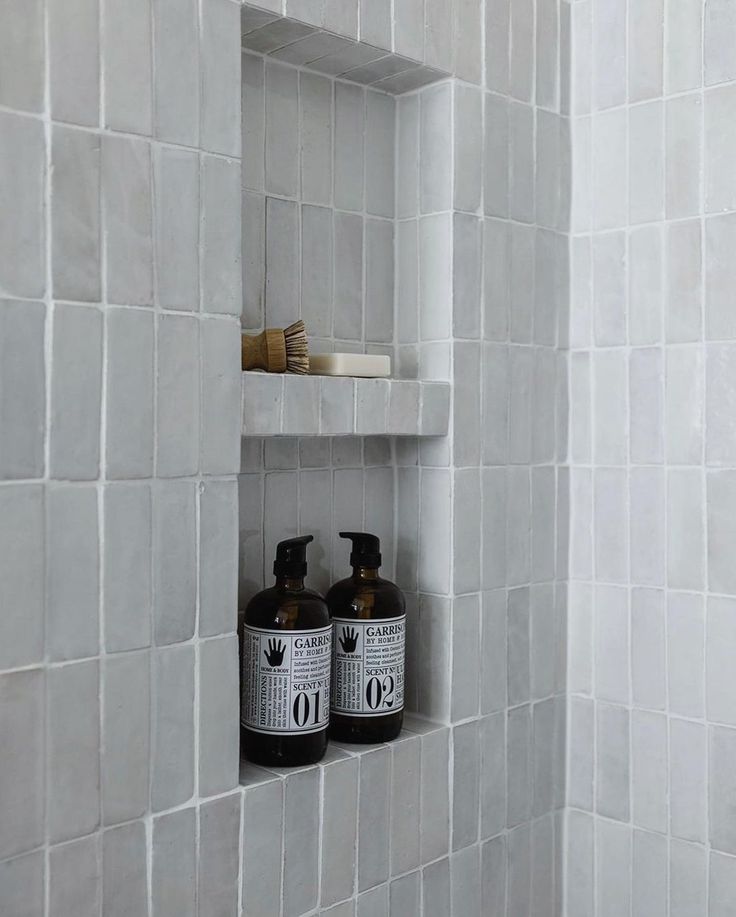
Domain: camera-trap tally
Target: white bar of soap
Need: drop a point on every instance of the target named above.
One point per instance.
(366, 365)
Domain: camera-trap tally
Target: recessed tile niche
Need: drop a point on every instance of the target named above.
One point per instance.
(330, 209)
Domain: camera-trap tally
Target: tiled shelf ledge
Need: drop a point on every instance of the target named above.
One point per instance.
(317, 47)
(414, 728)
(290, 405)
(378, 822)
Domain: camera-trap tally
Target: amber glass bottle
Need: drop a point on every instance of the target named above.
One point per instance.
(286, 646)
(369, 625)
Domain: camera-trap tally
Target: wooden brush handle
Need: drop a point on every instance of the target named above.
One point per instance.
(266, 350)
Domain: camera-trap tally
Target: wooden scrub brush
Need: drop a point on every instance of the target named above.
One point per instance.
(277, 351)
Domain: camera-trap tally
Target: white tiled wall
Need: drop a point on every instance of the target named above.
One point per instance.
(652, 751)
(119, 436)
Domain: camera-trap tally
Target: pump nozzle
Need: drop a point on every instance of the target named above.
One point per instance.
(366, 549)
(291, 557)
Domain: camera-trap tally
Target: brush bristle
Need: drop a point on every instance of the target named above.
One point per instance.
(297, 348)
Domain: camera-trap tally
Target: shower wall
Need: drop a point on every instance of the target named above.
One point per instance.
(652, 627)
(119, 445)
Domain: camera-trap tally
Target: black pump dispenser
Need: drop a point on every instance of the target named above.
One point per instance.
(285, 641)
(369, 627)
(291, 557)
(366, 549)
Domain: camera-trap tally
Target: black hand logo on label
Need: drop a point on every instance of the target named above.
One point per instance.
(275, 654)
(349, 639)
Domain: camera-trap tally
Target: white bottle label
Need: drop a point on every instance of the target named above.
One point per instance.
(286, 680)
(368, 666)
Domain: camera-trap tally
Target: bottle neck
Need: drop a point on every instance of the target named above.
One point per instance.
(292, 583)
(365, 573)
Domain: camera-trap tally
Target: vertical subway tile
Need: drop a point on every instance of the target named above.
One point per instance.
(719, 34)
(125, 737)
(315, 100)
(75, 878)
(253, 213)
(493, 768)
(684, 405)
(518, 766)
(646, 526)
(125, 871)
(176, 87)
(379, 273)
(220, 87)
(219, 450)
(434, 795)
(220, 236)
(176, 198)
(129, 394)
(720, 643)
(218, 716)
(348, 142)
(686, 654)
(74, 61)
(438, 27)
(218, 509)
(253, 122)
(435, 144)
(613, 868)
(262, 851)
(373, 818)
(173, 867)
(611, 529)
(683, 117)
(465, 881)
(407, 162)
(405, 805)
(339, 827)
(22, 775)
(609, 288)
(75, 214)
(22, 881)
(521, 64)
(720, 386)
(468, 134)
(22, 389)
(75, 393)
(126, 205)
(719, 319)
(612, 784)
(721, 502)
(722, 787)
(178, 390)
(688, 879)
(521, 162)
(466, 784)
(174, 560)
(722, 882)
(685, 529)
(219, 853)
(375, 23)
(282, 256)
(73, 805)
(646, 162)
(127, 66)
(496, 156)
(409, 29)
(720, 114)
(22, 57)
(72, 574)
(645, 49)
(649, 875)
(649, 770)
(127, 566)
(172, 754)
(348, 277)
(466, 667)
(518, 881)
(22, 593)
(648, 651)
(380, 115)
(436, 888)
(683, 281)
(404, 895)
(683, 64)
(609, 54)
(435, 276)
(688, 780)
